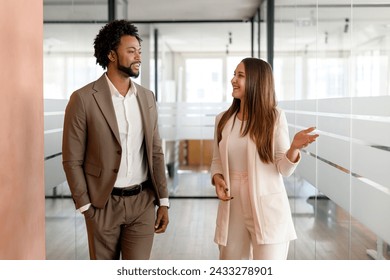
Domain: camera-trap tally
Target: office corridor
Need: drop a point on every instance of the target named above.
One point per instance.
(325, 231)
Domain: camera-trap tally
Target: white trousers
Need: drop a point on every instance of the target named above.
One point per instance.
(241, 243)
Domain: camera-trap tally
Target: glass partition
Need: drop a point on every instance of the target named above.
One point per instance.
(187, 107)
(331, 68)
(68, 65)
(196, 69)
(334, 75)
(370, 125)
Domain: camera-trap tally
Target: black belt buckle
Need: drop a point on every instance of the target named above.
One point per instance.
(129, 192)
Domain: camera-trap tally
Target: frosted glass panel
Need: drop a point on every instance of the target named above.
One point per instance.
(372, 132)
(180, 121)
(378, 106)
(307, 169)
(53, 122)
(334, 183)
(335, 126)
(335, 105)
(351, 161)
(334, 151)
(54, 174)
(53, 144)
(375, 214)
(371, 163)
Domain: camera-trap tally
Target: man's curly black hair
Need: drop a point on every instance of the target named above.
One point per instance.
(109, 38)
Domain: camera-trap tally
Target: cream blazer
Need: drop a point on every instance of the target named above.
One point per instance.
(270, 206)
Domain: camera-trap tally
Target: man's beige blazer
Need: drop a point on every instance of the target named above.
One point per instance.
(91, 148)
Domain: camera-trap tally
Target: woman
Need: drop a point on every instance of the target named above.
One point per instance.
(252, 152)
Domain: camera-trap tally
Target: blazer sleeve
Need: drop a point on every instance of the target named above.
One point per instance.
(157, 152)
(282, 145)
(216, 163)
(73, 149)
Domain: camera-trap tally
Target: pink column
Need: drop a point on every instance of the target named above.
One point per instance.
(22, 203)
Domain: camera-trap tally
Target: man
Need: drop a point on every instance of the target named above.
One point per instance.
(112, 153)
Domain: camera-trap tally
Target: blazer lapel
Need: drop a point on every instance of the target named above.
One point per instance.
(224, 144)
(104, 101)
(145, 115)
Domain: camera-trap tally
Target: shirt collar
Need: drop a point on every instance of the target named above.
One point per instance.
(115, 92)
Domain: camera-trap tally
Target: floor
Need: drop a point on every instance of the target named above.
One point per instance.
(325, 231)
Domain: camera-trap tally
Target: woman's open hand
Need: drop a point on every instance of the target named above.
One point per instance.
(301, 140)
(304, 138)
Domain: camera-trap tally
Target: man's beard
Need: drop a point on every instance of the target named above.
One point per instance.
(128, 71)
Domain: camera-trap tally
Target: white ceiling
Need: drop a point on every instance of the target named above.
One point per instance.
(180, 26)
(153, 10)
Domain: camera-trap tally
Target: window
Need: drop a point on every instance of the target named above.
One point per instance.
(204, 81)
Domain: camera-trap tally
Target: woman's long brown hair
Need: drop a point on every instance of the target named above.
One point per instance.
(259, 107)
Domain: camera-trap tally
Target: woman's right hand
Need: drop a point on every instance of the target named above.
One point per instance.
(220, 187)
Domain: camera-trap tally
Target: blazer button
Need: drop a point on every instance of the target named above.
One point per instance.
(115, 170)
(118, 152)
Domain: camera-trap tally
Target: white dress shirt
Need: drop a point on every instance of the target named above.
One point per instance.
(133, 167)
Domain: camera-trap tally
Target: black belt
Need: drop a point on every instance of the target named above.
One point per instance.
(131, 190)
